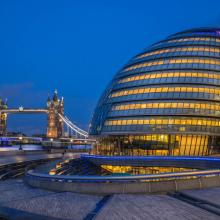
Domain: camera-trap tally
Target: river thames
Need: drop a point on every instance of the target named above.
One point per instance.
(32, 147)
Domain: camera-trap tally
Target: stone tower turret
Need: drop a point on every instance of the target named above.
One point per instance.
(55, 107)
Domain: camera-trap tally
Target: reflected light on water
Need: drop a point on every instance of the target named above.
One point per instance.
(24, 147)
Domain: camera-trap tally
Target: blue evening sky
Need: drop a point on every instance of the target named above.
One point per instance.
(77, 46)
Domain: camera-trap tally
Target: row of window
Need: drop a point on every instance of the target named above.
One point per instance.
(164, 112)
(168, 138)
(168, 105)
(160, 121)
(169, 75)
(181, 49)
(165, 90)
(173, 61)
(162, 128)
(188, 39)
(194, 39)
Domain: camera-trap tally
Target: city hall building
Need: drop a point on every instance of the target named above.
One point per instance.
(165, 100)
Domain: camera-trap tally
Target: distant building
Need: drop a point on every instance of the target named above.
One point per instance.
(3, 117)
(55, 107)
(165, 100)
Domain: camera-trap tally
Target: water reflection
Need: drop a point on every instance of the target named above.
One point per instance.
(80, 147)
(24, 147)
(39, 147)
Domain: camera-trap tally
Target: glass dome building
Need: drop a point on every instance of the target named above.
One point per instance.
(165, 100)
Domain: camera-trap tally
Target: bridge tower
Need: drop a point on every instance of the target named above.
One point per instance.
(3, 118)
(55, 107)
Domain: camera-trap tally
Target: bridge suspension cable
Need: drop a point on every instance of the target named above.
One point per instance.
(82, 131)
(73, 127)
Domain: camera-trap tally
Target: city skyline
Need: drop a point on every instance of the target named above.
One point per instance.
(72, 47)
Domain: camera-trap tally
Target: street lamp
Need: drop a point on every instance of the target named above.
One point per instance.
(51, 143)
(71, 141)
(20, 141)
(85, 145)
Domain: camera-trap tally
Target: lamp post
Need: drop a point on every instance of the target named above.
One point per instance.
(85, 145)
(51, 143)
(20, 142)
(71, 141)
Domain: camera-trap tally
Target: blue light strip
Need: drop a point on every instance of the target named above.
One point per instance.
(6, 139)
(150, 158)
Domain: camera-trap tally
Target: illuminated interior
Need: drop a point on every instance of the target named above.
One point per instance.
(170, 75)
(195, 39)
(143, 170)
(166, 89)
(181, 49)
(157, 145)
(174, 61)
(197, 105)
(160, 121)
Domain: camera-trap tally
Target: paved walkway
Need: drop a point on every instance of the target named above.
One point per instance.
(151, 207)
(16, 195)
(211, 195)
(22, 158)
(65, 205)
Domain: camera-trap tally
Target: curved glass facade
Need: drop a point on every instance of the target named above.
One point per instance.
(165, 100)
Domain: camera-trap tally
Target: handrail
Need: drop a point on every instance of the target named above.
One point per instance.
(24, 110)
(112, 178)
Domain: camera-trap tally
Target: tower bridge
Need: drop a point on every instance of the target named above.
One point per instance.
(56, 120)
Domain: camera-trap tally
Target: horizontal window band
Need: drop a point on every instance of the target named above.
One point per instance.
(127, 116)
(169, 75)
(122, 75)
(180, 49)
(130, 86)
(168, 57)
(107, 133)
(165, 90)
(170, 45)
(118, 102)
(163, 121)
(189, 39)
(185, 39)
(167, 105)
(158, 62)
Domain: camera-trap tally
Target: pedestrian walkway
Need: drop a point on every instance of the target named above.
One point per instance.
(151, 207)
(18, 198)
(5, 160)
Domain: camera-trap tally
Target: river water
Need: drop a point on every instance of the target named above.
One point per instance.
(39, 147)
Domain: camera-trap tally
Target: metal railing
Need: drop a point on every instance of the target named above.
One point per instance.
(202, 163)
(122, 178)
(148, 183)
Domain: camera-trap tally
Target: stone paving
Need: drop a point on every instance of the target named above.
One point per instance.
(17, 191)
(65, 205)
(61, 205)
(54, 204)
(150, 207)
(211, 195)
